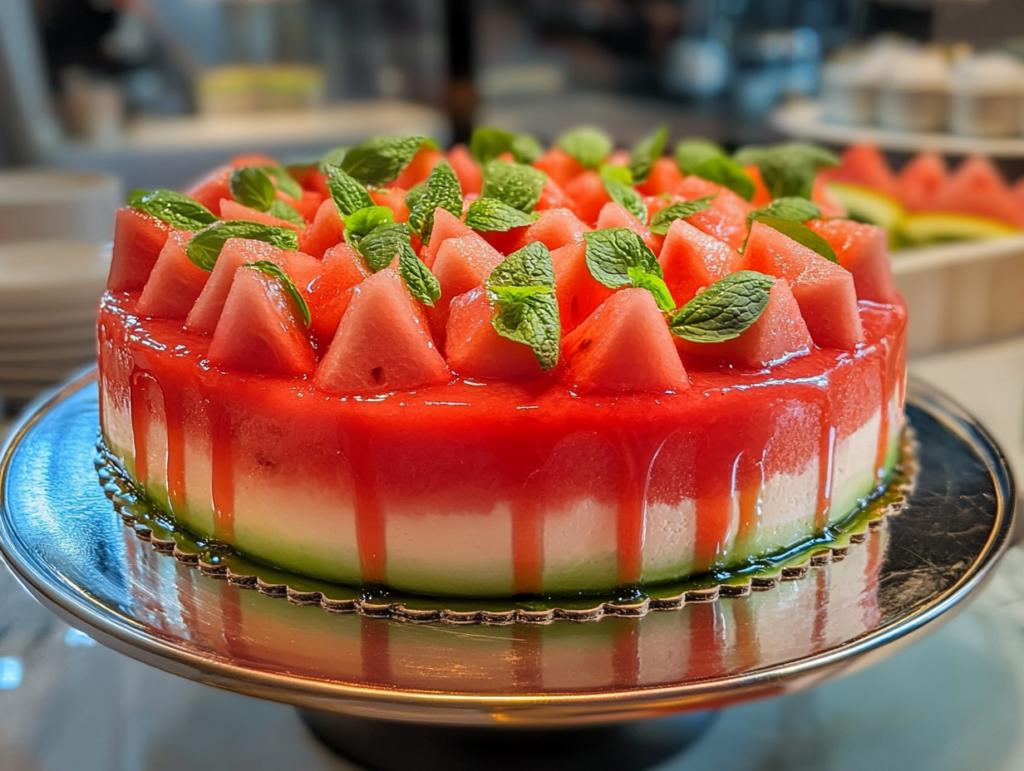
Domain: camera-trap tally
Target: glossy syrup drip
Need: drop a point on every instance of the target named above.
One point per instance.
(370, 532)
(139, 383)
(751, 482)
(222, 480)
(527, 547)
(174, 418)
(631, 518)
(826, 464)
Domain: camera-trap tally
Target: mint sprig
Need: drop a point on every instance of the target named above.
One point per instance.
(618, 183)
(802, 234)
(618, 257)
(417, 276)
(333, 157)
(441, 190)
(789, 208)
(522, 291)
(415, 195)
(379, 160)
(286, 212)
(268, 268)
(204, 247)
(362, 222)
(662, 221)
(513, 183)
(727, 173)
(381, 245)
(526, 148)
(177, 210)
(590, 146)
(251, 187)
(725, 310)
(691, 153)
(788, 170)
(284, 180)
(488, 215)
(346, 192)
(488, 143)
(646, 152)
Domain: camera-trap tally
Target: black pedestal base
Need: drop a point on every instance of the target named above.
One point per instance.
(380, 745)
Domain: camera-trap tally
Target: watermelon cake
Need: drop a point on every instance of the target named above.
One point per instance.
(504, 370)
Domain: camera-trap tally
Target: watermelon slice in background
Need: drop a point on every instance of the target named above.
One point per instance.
(559, 166)
(330, 292)
(625, 345)
(920, 181)
(382, 343)
(691, 259)
(462, 264)
(864, 165)
(506, 241)
(824, 290)
(138, 239)
(726, 220)
(394, 199)
(552, 196)
(588, 196)
(780, 333)
(864, 251)
(446, 226)
(212, 189)
(326, 230)
(253, 159)
(828, 203)
(419, 168)
(261, 330)
(232, 210)
(976, 187)
(468, 171)
(555, 229)
(474, 349)
(578, 292)
(665, 177)
(308, 205)
(614, 215)
(761, 195)
(175, 283)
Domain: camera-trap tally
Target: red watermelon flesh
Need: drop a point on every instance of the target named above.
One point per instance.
(302, 268)
(578, 292)
(665, 177)
(761, 195)
(559, 166)
(829, 205)
(260, 329)
(865, 165)
(655, 203)
(824, 290)
(691, 259)
(317, 182)
(474, 349)
(232, 210)
(864, 251)
(468, 171)
(919, 182)
(331, 291)
(506, 241)
(977, 187)
(211, 189)
(446, 226)
(326, 230)
(138, 239)
(462, 264)
(588, 196)
(175, 283)
(382, 344)
(555, 229)
(726, 220)
(780, 333)
(309, 204)
(253, 159)
(625, 345)
(394, 199)
(614, 215)
(552, 196)
(419, 167)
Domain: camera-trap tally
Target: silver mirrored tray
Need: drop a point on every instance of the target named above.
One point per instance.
(67, 544)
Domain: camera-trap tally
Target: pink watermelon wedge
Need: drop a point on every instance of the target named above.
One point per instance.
(665, 177)
(462, 264)
(261, 329)
(555, 229)
(920, 181)
(976, 187)
(330, 293)
(726, 220)
(212, 189)
(175, 283)
(382, 343)
(559, 166)
(578, 292)
(232, 210)
(419, 168)
(864, 251)
(588, 196)
(446, 226)
(394, 199)
(824, 290)
(138, 239)
(614, 215)
(471, 178)
(865, 165)
(552, 196)
(308, 205)
(326, 230)
(624, 345)
(474, 349)
(691, 259)
(779, 334)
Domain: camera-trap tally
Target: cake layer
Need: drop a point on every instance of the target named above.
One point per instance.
(501, 488)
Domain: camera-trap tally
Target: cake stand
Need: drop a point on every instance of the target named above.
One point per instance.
(394, 695)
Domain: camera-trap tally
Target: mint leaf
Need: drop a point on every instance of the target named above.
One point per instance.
(725, 310)
(788, 170)
(177, 210)
(727, 173)
(486, 144)
(348, 195)
(417, 276)
(618, 257)
(415, 195)
(530, 266)
(522, 290)
(617, 182)
(268, 268)
(590, 146)
(790, 208)
(379, 160)
(361, 223)
(334, 156)
(646, 152)
(526, 149)
(512, 183)
(251, 187)
(284, 180)
(442, 190)
(380, 246)
(204, 247)
(662, 221)
(286, 212)
(803, 235)
(691, 153)
(488, 215)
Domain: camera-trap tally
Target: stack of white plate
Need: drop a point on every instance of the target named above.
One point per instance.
(49, 291)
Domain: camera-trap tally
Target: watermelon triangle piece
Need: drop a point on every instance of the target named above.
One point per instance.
(865, 165)
(212, 189)
(578, 292)
(691, 260)
(462, 264)
(625, 345)
(977, 187)
(920, 181)
(446, 226)
(138, 239)
(761, 195)
(394, 199)
(308, 205)
(471, 177)
(326, 230)
(864, 251)
(555, 229)
(419, 168)
(588, 196)
(726, 220)
(614, 215)
(175, 283)
(474, 349)
(232, 210)
(559, 166)
(779, 334)
(552, 196)
(330, 293)
(382, 344)
(260, 329)
(665, 177)
(823, 290)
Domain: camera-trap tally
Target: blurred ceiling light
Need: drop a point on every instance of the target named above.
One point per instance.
(10, 673)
